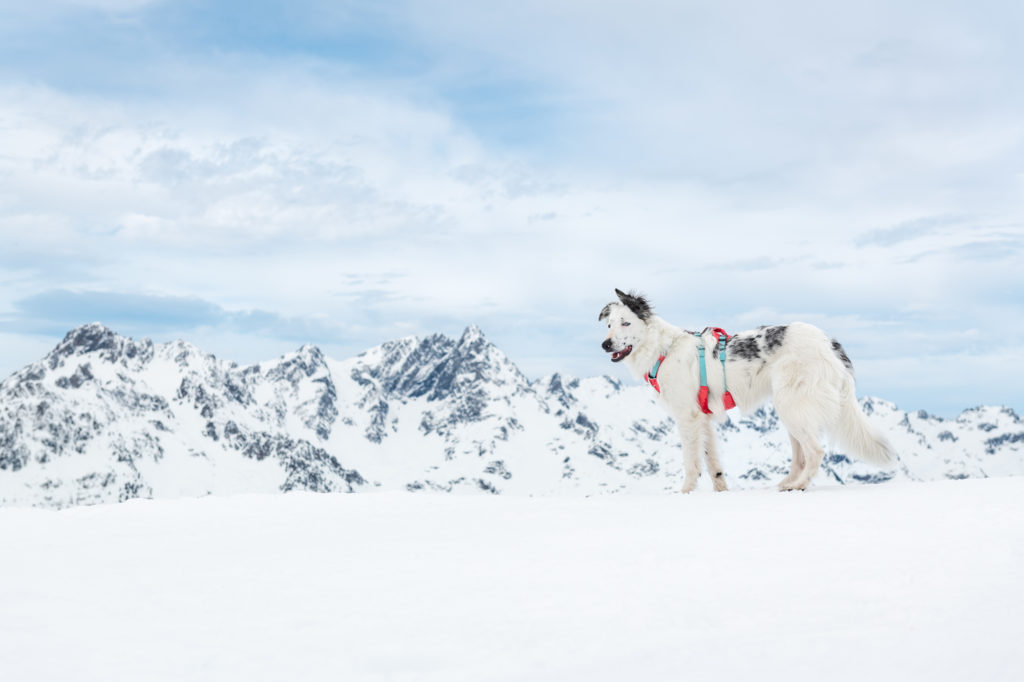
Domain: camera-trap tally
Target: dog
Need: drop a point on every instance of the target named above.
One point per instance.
(806, 374)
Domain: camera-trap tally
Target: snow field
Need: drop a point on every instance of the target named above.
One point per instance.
(895, 581)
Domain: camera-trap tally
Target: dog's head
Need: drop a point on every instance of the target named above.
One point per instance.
(627, 324)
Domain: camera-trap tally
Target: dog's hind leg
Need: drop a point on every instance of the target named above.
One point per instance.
(806, 402)
(796, 467)
(711, 457)
(690, 434)
(813, 454)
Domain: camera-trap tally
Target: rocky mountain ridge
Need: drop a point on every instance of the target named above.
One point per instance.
(105, 418)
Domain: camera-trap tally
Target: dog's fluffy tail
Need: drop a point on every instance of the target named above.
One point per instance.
(855, 432)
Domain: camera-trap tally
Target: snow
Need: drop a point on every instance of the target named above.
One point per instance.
(895, 581)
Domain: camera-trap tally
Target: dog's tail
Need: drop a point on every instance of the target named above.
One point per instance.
(855, 432)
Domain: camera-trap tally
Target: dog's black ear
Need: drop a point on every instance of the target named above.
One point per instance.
(605, 312)
(637, 303)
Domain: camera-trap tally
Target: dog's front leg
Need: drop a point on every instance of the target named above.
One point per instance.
(711, 457)
(690, 434)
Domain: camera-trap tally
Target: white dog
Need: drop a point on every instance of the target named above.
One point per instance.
(807, 375)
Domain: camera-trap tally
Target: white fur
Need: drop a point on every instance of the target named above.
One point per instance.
(812, 389)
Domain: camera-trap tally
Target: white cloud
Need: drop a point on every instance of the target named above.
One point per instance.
(718, 157)
(110, 5)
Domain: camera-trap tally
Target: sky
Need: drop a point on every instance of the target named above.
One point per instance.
(253, 176)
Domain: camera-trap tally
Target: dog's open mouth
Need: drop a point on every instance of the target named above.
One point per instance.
(619, 354)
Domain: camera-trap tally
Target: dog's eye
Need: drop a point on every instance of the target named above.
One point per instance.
(625, 324)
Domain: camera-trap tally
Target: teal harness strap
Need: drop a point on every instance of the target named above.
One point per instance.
(703, 366)
(654, 370)
(721, 356)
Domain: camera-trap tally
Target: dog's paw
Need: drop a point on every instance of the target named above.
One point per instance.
(719, 481)
(791, 485)
(688, 487)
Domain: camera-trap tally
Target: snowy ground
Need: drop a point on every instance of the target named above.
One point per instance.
(891, 582)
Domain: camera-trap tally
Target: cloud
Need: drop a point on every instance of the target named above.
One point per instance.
(58, 310)
(52, 9)
(111, 6)
(752, 264)
(974, 251)
(400, 168)
(911, 229)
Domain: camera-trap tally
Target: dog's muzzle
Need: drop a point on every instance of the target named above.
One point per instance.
(617, 355)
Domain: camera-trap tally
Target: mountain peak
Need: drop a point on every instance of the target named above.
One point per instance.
(97, 338)
(305, 362)
(311, 351)
(471, 333)
(474, 343)
(90, 337)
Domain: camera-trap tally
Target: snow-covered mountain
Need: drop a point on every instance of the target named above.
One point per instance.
(105, 418)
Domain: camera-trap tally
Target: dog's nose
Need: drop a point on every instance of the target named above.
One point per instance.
(607, 345)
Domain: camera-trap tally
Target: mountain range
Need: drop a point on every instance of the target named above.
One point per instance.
(106, 418)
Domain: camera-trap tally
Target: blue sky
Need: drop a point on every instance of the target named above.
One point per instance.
(253, 176)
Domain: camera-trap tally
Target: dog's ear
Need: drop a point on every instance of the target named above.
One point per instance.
(637, 303)
(605, 312)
